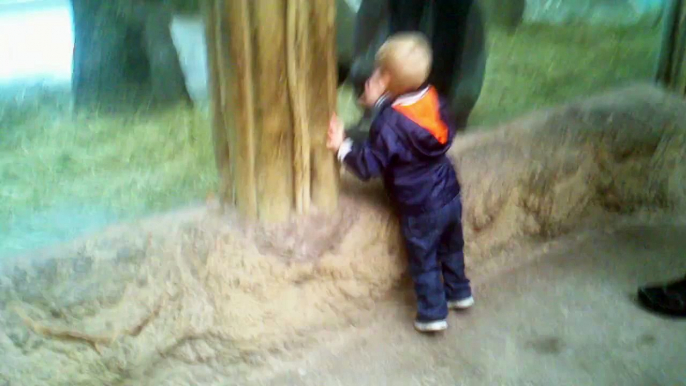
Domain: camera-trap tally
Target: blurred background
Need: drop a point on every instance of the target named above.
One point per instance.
(120, 127)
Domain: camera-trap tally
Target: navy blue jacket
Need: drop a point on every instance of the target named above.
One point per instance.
(407, 146)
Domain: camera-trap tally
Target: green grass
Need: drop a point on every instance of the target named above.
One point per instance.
(129, 165)
(135, 164)
(540, 66)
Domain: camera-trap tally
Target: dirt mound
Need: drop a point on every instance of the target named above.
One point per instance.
(195, 288)
(192, 297)
(541, 175)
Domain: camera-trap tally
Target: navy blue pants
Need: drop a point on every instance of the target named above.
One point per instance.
(435, 244)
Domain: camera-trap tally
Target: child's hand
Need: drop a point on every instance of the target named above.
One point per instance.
(336, 133)
(374, 88)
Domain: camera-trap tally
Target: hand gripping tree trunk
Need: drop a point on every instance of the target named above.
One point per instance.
(273, 71)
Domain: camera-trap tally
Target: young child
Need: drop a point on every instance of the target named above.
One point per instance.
(408, 140)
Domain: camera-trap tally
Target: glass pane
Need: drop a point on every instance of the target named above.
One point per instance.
(545, 52)
(67, 169)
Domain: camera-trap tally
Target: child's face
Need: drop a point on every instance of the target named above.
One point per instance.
(374, 88)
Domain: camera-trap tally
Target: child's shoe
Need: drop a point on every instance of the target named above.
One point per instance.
(461, 304)
(433, 326)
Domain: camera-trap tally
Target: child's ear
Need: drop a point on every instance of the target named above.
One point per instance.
(384, 79)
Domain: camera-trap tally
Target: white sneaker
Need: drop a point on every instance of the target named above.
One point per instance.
(461, 304)
(434, 326)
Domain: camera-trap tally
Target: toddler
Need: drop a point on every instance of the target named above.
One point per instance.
(408, 140)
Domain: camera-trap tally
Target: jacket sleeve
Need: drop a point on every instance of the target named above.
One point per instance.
(369, 158)
(356, 132)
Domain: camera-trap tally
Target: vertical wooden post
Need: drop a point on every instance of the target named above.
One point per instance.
(298, 72)
(217, 67)
(323, 81)
(273, 99)
(274, 130)
(671, 69)
(241, 108)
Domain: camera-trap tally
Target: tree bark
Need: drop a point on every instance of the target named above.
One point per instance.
(280, 91)
(99, 56)
(671, 69)
(124, 56)
(218, 66)
(323, 81)
(507, 14)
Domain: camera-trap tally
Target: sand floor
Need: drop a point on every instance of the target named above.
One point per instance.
(201, 298)
(569, 318)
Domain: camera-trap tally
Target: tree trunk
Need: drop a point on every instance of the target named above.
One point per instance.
(507, 14)
(277, 82)
(672, 62)
(217, 60)
(99, 56)
(124, 56)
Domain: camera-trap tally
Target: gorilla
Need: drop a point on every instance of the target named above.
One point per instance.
(457, 34)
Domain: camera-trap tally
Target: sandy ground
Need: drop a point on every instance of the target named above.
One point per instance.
(200, 298)
(569, 318)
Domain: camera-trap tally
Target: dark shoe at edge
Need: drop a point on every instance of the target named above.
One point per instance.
(667, 299)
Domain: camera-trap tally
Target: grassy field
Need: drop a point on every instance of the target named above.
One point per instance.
(136, 164)
(540, 66)
(114, 167)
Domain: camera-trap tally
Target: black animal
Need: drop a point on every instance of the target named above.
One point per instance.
(457, 33)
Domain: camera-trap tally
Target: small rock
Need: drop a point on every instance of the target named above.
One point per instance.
(56, 313)
(20, 277)
(142, 280)
(127, 255)
(19, 337)
(33, 343)
(82, 265)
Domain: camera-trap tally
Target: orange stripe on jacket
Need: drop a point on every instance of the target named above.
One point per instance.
(426, 113)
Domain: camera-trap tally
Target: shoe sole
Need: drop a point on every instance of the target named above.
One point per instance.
(648, 305)
(433, 327)
(461, 305)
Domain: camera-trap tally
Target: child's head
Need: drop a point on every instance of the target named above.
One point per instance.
(405, 58)
(403, 64)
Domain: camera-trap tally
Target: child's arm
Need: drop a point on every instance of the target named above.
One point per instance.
(359, 131)
(368, 159)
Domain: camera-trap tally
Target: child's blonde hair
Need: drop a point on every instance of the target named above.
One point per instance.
(406, 57)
